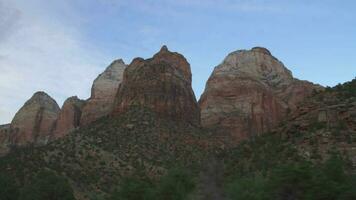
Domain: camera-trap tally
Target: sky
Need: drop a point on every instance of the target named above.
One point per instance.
(61, 46)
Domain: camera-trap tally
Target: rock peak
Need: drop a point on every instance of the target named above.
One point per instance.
(161, 83)
(35, 120)
(103, 92)
(118, 61)
(249, 93)
(261, 50)
(40, 94)
(164, 48)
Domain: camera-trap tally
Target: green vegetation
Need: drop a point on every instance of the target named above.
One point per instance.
(47, 185)
(43, 186)
(8, 188)
(177, 184)
(300, 180)
(296, 180)
(345, 90)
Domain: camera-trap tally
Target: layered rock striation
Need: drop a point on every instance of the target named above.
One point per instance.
(35, 121)
(103, 93)
(69, 117)
(249, 93)
(162, 84)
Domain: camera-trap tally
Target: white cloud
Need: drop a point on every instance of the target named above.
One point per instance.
(41, 53)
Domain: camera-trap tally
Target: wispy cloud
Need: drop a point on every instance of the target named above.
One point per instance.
(39, 53)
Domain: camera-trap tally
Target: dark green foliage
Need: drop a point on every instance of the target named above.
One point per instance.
(175, 185)
(47, 185)
(8, 188)
(345, 90)
(300, 180)
(246, 188)
(317, 126)
(134, 189)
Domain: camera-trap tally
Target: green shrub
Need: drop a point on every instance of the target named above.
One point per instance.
(47, 185)
(246, 188)
(134, 189)
(301, 180)
(8, 188)
(175, 185)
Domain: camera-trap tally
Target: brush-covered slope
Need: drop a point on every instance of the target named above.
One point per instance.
(96, 158)
(310, 155)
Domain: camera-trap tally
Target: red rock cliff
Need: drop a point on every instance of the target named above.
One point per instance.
(161, 83)
(249, 93)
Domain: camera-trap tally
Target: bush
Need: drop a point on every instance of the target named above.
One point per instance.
(134, 189)
(301, 180)
(176, 185)
(47, 185)
(248, 188)
(8, 188)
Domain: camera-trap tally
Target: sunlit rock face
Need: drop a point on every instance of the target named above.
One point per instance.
(69, 117)
(161, 83)
(249, 93)
(103, 93)
(34, 122)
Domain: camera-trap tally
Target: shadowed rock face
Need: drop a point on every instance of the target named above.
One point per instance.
(249, 93)
(103, 93)
(161, 83)
(4, 138)
(34, 122)
(69, 117)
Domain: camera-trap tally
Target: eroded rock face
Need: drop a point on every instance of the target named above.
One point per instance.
(4, 138)
(249, 93)
(34, 122)
(69, 117)
(103, 93)
(161, 83)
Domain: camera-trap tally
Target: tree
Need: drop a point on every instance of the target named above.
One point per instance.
(8, 188)
(175, 185)
(134, 189)
(47, 185)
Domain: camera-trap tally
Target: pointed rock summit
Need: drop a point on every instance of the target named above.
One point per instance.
(103, 93)
(69, 117)
(161, 83)
(249, 93)
(34, 122)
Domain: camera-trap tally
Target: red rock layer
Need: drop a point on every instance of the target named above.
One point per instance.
(103, 93)
(250, 93)
(161, 83)
(69, 117)
(35, 121)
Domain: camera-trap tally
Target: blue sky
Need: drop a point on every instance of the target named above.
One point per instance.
(60, 46)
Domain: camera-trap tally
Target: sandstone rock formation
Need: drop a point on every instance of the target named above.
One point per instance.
(4, 138)
(103, 93)
(69, 117)
(34, 122)
(161, 83)
(249, 93)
